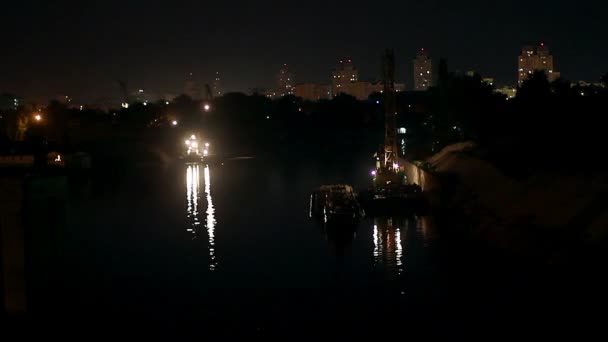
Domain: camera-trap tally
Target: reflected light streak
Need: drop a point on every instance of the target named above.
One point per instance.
(377, 244)
(399, 252)
(211, 222)
(192, 196)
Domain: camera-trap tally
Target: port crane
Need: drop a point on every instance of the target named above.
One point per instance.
(387, 169)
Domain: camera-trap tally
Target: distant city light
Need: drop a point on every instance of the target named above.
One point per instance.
(188, 142)
(206, 144)
(167, 102)
(205, 152)
(373, 172)
(207, 107)
(38, 117)
(193, 137)
(124, 105)
(377, 101)
(174, 122)
(267, 117)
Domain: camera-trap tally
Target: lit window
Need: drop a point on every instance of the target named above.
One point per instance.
(402, 130)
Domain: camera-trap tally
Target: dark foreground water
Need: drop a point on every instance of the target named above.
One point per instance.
(230, 250)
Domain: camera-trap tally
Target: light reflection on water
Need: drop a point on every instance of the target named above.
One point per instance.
(192, 199)
(393, 237)
(388, 237)
(210, 222)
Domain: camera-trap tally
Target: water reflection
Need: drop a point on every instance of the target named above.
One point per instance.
(210, 221)
(397, 239)
(388, 237)
(192, 199)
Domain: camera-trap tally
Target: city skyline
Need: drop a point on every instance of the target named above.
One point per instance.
(81, 50)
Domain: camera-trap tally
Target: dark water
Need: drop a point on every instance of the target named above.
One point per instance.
(230, 249)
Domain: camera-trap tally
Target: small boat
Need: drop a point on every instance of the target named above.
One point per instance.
(335, 204)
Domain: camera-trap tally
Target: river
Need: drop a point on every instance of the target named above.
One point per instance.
(230, 250)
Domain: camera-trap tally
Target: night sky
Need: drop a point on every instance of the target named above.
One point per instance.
(53, 48)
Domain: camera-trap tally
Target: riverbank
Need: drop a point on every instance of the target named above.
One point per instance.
(553, 217)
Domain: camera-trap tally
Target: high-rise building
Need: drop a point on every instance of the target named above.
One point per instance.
(217, 87)
(344, 74)
(536, 58)
(423, 71)
(285, 82)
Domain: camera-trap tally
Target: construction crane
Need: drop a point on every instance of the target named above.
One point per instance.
(391, 156)
(389, 192)
(386, 174)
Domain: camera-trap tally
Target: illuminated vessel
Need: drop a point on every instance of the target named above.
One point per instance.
(196, 151)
